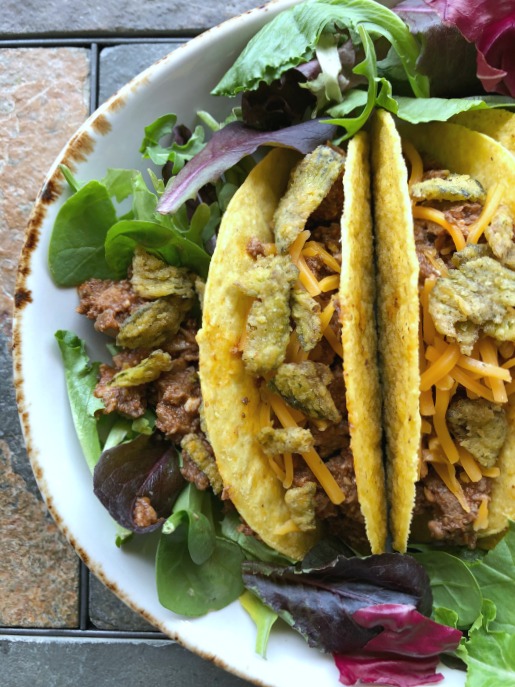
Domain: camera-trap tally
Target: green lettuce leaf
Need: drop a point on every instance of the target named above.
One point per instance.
(268, 54)
(263, 617)
(81, 378)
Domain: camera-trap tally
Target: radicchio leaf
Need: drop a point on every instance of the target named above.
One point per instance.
(447, 58)
(230, 145)
(405, 653)
(145, 468)
(490, 24)
(321, 602)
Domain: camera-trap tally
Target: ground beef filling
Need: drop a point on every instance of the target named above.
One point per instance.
(441, 512)
(437, 511)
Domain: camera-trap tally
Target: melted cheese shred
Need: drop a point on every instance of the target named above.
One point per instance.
(493, 199)
(438, 217)
(313, 460)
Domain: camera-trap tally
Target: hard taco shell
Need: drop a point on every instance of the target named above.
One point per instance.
(231, 396)
(460, 150)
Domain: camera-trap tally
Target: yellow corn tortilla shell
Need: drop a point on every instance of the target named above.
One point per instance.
(357, 304)
(398, 320)
(498, 124)
(461, 150)
(231, 397)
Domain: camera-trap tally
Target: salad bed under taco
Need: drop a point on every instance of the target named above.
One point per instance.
(445, 210)
(295, 432)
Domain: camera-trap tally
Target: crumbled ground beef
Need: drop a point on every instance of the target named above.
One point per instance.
(178, 401)
(128, 401)
(346, 520)
(255, 248)
(192, 473)
(107, 302)
(184, 344)
(446, 520)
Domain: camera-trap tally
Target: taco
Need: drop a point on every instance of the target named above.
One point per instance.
(445, 212)
(290, 292)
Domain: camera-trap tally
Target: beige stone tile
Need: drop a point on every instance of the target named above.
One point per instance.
(44, 96)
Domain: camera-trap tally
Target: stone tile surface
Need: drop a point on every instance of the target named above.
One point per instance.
(107, 612)
(44, 96)
(157, 17)
(61, 662)
(120, 63)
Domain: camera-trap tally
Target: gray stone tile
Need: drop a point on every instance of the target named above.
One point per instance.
(66, 662)
(68, 17)
(121, 63)
(107, 612)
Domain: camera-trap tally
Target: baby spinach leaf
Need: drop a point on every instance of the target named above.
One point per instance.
(197, 571)
(76, 250)
(165, 242)
(81, 378)
(453, 585)
(254, 548)
(263, 617)
(119, 182)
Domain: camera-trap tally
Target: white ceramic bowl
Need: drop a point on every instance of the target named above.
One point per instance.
(179, 83)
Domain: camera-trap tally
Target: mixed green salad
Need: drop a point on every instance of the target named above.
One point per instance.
(386, 619)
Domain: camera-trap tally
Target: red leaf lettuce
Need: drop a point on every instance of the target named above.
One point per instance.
(490, 24)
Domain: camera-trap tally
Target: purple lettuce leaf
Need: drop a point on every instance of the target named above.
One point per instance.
(320, 603)
(447, 58)
(143, 468)
(404, 653)
(490, 25)
(399, 671)
(230, 145)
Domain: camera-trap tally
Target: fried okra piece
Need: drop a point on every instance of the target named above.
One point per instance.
(480, 427)
(285, 440)
(305, 312)
(148, 370)
(268, 325)
(453, 187)
(301, 504)
(477, 296)
(305, 387)
(201, 454)
(153, 323)
(154, 278)
(499, 234)
(310, 182)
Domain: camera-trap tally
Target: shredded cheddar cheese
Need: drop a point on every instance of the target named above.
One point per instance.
(416, 165)
(313, 248)
(493, 198)
(438, 217)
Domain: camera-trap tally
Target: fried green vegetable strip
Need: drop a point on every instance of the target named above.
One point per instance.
(305, 312)
(151, 324)
(285, 440)
(201, 454)
(301, 504)
(480, 427)
(147, 370)
(499, 234)
(477, 296)
(154, 278)
(304, 386)
(453, 187)
(310, 182)
(268, 324)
